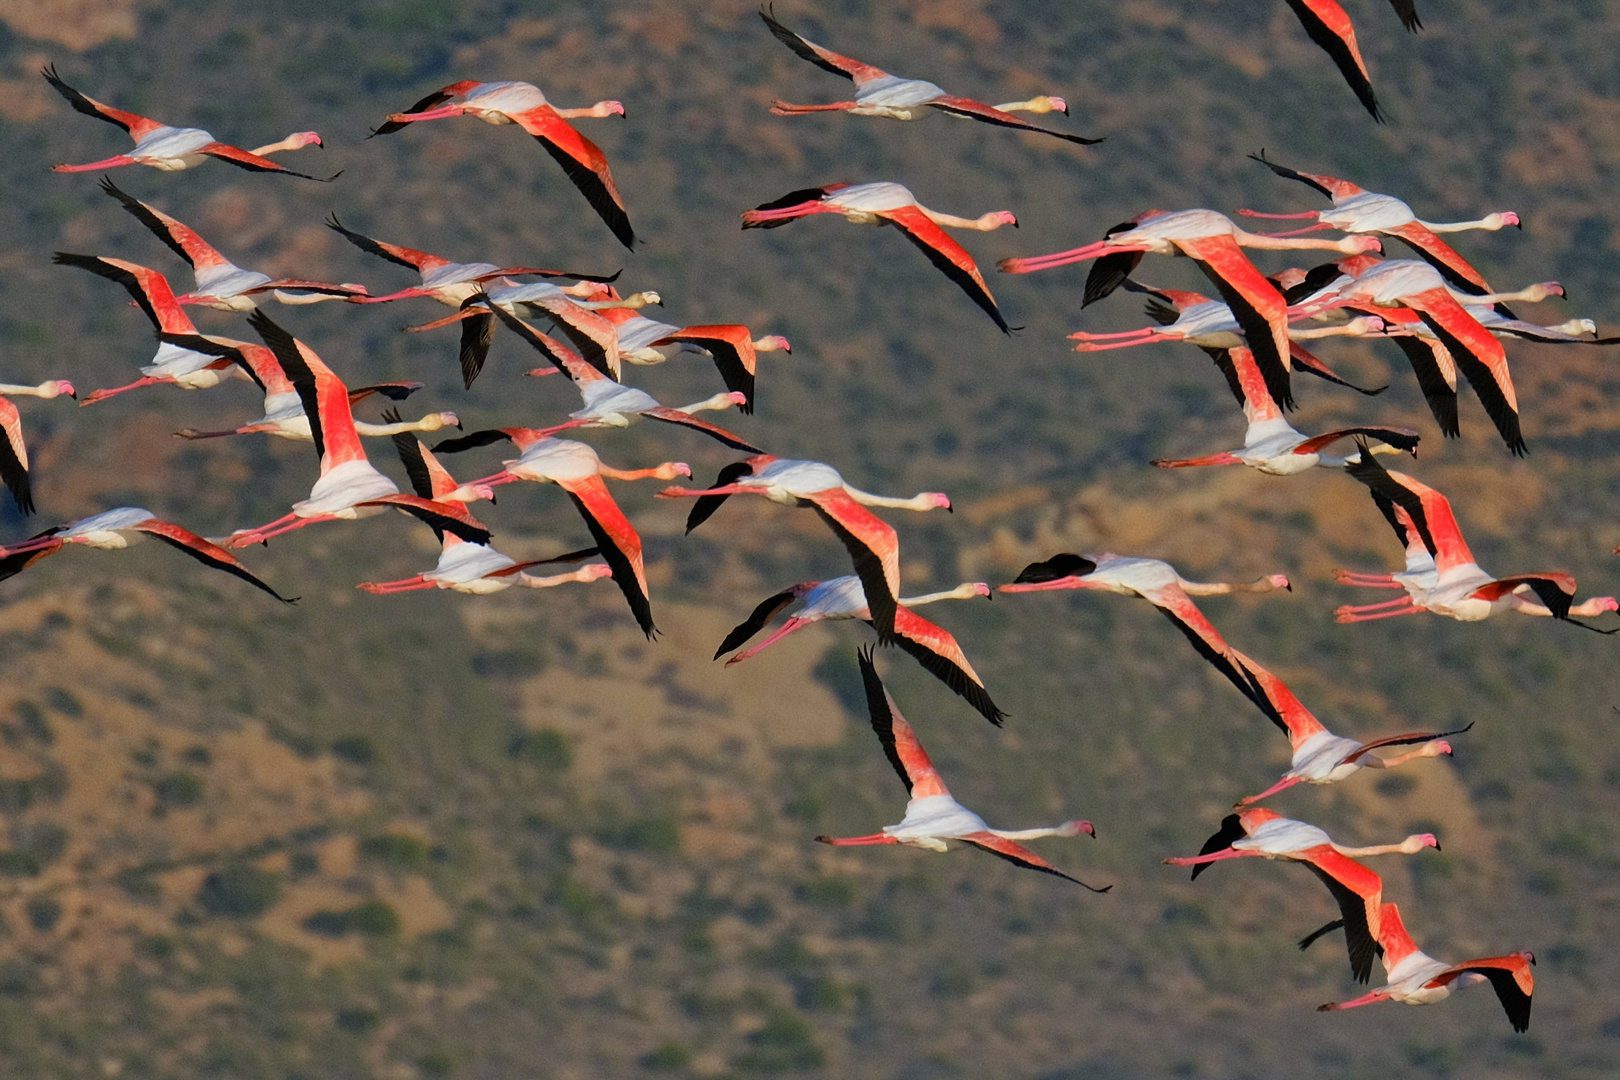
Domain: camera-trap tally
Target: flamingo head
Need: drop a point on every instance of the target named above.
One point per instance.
(1544, 289)
(1280, 581)
(736, 397)
(608, 108)
(1436, 748)
(1505, 218)
(595, 572)
(1075, 828)
(995, 219)
(669, 470)
(981, 588)
(1362, 325)
(773, 343)
(936, 499)
(56, 387)
(642, 299)
(1606, 603)
(1054, 104)
(435, 421)
(1419, 841)
(303, 138)
(1360, 244)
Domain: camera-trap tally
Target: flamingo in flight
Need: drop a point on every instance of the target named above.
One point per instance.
(1158, 583)
(448, 282)
(1416, 978)
(13, 452)
(171, 148)
(1441, 575)
(612, 404)
(1357, 210)
(523, 104)
(113, 529)
(576, 469)
(221, 283)
(872, 544)
(1329, 26)
(466, 566)
(891, 204)
(1261, 832)
(843, 598)
(185, 358)
(732, 346)
(349, 486)
(284, 414)
(1270, 444)
(1321, 757)
(1216, 244)
(932, 816)
(1371, 286)
(877, 93)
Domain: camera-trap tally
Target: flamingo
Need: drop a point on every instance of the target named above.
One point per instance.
(113, 529)
(612, 404)
(1448, 582)
(871, 542)
(523, 104)
(932, 816)
(13, 452)
(731, 346)
(221, 283)
(576, 469)
(284, 414)
(1270, 444)
(1216, 244)
(1158, 583)
(185, 358)
(843, 598)
(349, 486)
(170, 148)
(463, 565)
(1416, 978)
(1357, 210)
(1329, 26)
(449, 282)
(1419, 287)
(1321, 757)
(891, 204)
(1359, 892)
(877, 93)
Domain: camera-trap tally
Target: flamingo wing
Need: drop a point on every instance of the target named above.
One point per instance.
(900, 743)
(801, 197)
(825, 59)
(325, 398)
(1020, 855)
(1230, 832)
(939, 654)
(138, 126)
(477, 335)
(704, 506)
(1109, 271)
(13, 564)
(1402, 438)
(1479, 355)
(1407, 10)
(948, 256)
(564, 359)
(763, 613)
(1428, 510)
(149, 288)
(1554, 590)
(714, 431)
(205, 552)
(1510, 977)
(180, 238)
(1256, 304)
(1289, 174)
(393, 391)
(732, 347)
(1440, 255)
(438, 97)
(1408, 739)
(404, 256)
(585, 165)
(1179, 608)
(978, 110)
(1057, 567)
(1436, 373)
(1278, 702)
(1302, 359)
(873, 547)
(1359, 892)
(14, 457)
(1329, 26)
(246, 159)
(618, 541)
(414, 456)
(441, 517)
(472, 440)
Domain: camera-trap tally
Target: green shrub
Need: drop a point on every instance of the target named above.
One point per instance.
(400, 849)
(547, 749)
(238, 891)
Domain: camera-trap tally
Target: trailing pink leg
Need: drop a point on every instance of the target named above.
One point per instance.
(853, 841)
(785, 629)
(1189, 463)
(1282, 785)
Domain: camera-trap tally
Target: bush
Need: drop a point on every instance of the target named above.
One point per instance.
(355, 749)
(239, 891)
(44, 913)
(547, 749)
(374, 918)
(179, 789)
(400, 849)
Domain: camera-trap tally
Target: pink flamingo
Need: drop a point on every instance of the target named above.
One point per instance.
(221, 283)
(1449, 582)
(576, 469)
(170, 148)
(871, 542)
(1158, 583)
(932, 816)
(1329, 26)
(1416, 978)
(877, 93)
(13, 452)
(523, 104)
(464, 565)
(1359, 891)
(843, 598)
(1321, 757)
(891, 204)
(115, 529)
(731, 346)
(1217, 245)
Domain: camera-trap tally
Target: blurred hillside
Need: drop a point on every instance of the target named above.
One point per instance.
(481, 837)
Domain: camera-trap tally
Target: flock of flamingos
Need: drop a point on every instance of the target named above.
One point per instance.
(1437, 309)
